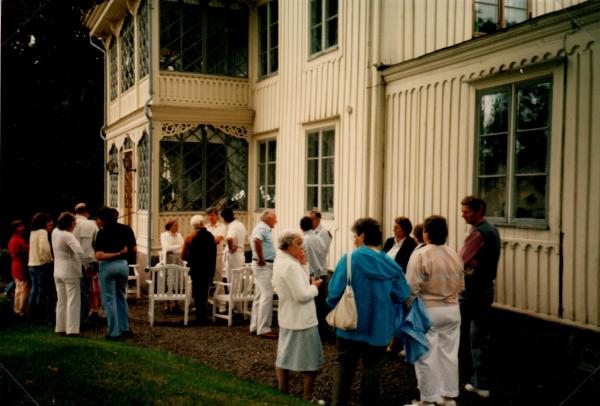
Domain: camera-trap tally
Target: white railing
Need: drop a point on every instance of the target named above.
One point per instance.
(185, 88)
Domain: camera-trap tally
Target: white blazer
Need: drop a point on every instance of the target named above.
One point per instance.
(68, 254)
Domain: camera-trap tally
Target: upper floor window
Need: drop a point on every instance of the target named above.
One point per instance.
(114, 80)
(513, 134)
(268, 23)
(143, 39)
(267, 157)
(323, 25)
(127, 52)
(320, 170)
(494, 15)
(204, 36)
(203, 167)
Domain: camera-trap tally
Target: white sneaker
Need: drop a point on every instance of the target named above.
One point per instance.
(484, 393)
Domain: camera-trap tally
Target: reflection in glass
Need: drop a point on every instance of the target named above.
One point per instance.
(312, 197)
(531, 151)
(515, 16)
(492, 154)
(313, 145)
(327, 175)
(328, 143)
(534, 105)
(312, 173)
(486, 19)
(493, 115)
(530, 197)
(327, 199)
(493, 191)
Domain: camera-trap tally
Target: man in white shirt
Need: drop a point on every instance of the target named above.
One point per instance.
(324, 235)
(235, 240)
(85, 231)
(219, 231)
(314, 247)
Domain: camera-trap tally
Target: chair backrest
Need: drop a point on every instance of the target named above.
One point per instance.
(242, 283)
(169, 279)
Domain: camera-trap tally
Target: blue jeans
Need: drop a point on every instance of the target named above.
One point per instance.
(42, 291)
(113, 290)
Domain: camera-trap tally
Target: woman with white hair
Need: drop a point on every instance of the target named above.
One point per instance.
(299, 346)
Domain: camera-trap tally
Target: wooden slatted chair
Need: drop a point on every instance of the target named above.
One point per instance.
(239, 290)
(169, 282)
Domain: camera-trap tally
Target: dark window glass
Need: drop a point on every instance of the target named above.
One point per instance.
(320, 170)
(268, 25)
(127, 52)
(143, 38)
(323, 25)
(266, 174)
(114, 68)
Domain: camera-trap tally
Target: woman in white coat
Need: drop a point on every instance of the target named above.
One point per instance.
(68, 257)
(299, 347)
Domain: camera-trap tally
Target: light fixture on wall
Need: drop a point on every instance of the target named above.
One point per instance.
(128, 163)
(112, 167)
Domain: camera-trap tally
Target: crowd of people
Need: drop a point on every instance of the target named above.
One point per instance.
(73, 273)
(411, 276)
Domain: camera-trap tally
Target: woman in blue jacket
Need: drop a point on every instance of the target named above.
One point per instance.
(377, 280)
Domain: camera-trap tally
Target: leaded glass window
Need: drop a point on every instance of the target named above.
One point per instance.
(112, 52)
(267, 158)
(493, 15)
(203, 167)
(143, 39)
(513, 135)
(323, 25)
(204, 37)
(320, 170)
(268, 26)
(143, 173)
(114, 178)
(127, 52)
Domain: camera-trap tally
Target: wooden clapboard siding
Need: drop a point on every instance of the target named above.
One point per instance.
(539, 7)
(430, 155)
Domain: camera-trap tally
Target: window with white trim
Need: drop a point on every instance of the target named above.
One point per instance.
(143, 39)
(490, 16)
(513, 137)
(320, 158)
(268, 25)
(127, 51)
(267, 157)
(143, 172)
(114, 178)
(113, 69)
(323, 25)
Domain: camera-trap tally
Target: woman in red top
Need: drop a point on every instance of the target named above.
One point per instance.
(19, 250)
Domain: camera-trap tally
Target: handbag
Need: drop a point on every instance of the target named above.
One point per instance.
(343, 316)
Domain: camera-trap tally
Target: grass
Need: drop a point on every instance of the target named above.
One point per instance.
(83, 371)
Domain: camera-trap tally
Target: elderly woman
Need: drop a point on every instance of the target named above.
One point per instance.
(68, 256)
(377, 280)
(435, 275)
(401, 245)
(171, 242)
(299, 346)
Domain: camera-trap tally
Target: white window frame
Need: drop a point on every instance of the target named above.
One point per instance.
(502, 6)
(270, 26)
(324, 24)
(319, 158)
(260, 202)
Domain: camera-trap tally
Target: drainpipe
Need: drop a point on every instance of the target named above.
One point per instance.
(375, 117)
(103, 128)
(148, 114)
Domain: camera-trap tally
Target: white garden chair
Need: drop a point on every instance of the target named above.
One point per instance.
(169, 282)
(239, 290)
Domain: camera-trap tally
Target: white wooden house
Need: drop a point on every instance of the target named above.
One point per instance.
(367, 107)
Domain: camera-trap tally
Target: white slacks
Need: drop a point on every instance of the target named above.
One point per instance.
(437, 371)
(68, 305)
(262, 305)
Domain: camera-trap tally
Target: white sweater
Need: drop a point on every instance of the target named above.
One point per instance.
(39, 248)
(291, 282)
(68, 254)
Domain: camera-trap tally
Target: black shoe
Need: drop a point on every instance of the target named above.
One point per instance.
(127, 334)
(111, 338)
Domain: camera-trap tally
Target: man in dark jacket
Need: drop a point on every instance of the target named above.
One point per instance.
(480, 254)
(200, 252)
(401, 245)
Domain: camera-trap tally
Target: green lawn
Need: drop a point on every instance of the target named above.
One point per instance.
(64, 371)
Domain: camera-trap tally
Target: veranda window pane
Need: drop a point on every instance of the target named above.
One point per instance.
(492, 154)
(312, 199)
(493, 115)
(530, 192)
(493, 191)
(486, 18)
(327, 199)
(312, 174)
(313, 145)
(531, 150)
(534, 105)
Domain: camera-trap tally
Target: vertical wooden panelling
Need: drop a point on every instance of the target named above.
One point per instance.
(593, 242)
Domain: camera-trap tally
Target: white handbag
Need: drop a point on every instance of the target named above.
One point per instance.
(343, 316)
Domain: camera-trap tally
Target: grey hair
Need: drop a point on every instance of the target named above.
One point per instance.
(197, 220)
(265, 214)
(286, 240)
